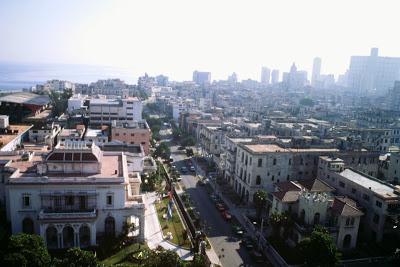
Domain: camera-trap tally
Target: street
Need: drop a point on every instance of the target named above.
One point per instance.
(218, 230)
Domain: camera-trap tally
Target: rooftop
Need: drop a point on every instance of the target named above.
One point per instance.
(373, 184)
(345, 206)
(268, 148)
(26, 98)
(11, 132)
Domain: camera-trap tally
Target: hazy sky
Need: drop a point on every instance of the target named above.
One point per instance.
(175, 37)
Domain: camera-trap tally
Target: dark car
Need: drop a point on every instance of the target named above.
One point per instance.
(220, 207)
(258, 257)
(248, 243)
(238, 230)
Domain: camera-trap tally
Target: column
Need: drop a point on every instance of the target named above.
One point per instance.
(93, 234)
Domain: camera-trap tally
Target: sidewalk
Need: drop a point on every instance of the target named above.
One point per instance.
(153, 233)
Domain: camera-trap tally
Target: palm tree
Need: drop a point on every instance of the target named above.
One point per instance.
(260, 201)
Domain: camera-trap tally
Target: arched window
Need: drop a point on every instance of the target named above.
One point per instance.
(109, 227)
(302, 215)
(84, 236)
(51, 237)
(27, 226)
(68, 237)
(347, 241)
(316, 218)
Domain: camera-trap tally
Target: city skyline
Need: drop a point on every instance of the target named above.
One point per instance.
(111, 34)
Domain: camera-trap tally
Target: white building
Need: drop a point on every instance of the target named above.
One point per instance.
(97, 136)
(76, 103)
(75, 196)
(311, 203)
(316, 71)
(369, 73)
(104, 110)
(265, 75)
(380, 200)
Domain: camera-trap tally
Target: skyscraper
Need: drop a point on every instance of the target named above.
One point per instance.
(265, 75)
(316, 71)
(373, 73)
(201, 77)
(275, 76)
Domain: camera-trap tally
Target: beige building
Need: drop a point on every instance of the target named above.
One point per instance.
(132, 133)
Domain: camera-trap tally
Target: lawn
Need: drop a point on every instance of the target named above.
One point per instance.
(120, 257)
(174, 225)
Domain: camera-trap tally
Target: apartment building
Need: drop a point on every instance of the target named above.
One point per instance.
(75, 196)
(102, 111)
(260, 165)
(137, 132)
(380, 200)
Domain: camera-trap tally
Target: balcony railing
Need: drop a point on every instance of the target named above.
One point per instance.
(58, 215)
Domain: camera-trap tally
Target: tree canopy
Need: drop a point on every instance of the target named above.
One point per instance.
(319, 249)
(75, 257)
(27, 250)
(260, 201)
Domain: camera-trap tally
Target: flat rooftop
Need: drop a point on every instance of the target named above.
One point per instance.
(268, 148)
(13, 131)
(374, 185)
(26, 98)
(95, 133)
(110, 171)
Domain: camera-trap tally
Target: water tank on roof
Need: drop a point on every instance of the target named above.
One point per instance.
(4, 122)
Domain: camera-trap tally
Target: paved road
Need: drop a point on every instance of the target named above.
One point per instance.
(219, 231)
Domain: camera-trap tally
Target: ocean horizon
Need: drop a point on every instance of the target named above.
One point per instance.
(18, 76)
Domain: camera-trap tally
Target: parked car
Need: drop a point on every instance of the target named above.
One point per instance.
(220, 207)
(247, 242)
(192, 169)
(215, 198)
(183, 169)
(238, 230)
(173, 167)
(257, 256)
(226, 215)
(181, 148)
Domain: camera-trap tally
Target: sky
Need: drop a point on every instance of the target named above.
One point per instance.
(175, 37)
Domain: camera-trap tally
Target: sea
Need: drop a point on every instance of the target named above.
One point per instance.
(19, 76)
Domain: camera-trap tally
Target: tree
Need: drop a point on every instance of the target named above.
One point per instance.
(319, 249)
(163, 258)
(279, 221)
(198, 261)
(75, 257)
(27, 250)
(307, 102)
(260, 201)
(59, 101)
(162, 151)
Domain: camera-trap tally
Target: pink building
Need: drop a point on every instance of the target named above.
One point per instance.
(132, 133)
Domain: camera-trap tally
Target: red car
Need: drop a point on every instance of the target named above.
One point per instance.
(220, 207)
(226, 215)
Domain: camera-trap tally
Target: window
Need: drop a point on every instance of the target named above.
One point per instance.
(353, 190)
(117, 134)
(366, 197)
(259, 163)
(347, 221)
(378, 204)
(288, 177)
(274, 162)
(341, 184)
(251, 161)
(273, 178)
(109, 199)
(69, 200)
(376, 219)
(132, 134)
(258, 180)
(352, 221)
(290, 161)
(26, 201)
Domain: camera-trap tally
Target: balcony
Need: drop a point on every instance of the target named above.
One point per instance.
(52, 215)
